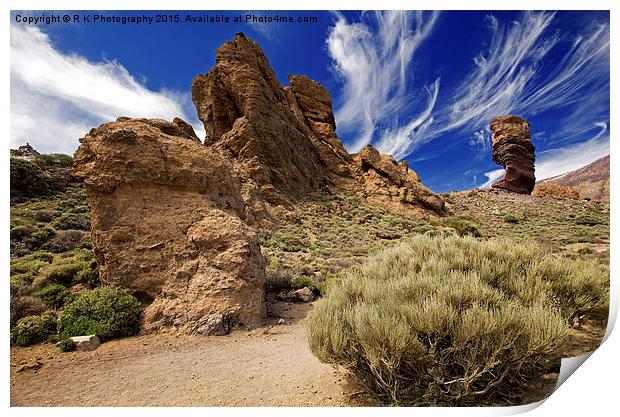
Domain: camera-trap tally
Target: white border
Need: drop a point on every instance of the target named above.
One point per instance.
(592, 390)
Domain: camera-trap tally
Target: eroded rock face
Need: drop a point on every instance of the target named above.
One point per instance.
(172, 218)
(395, 186)
(284, 138)
(246, 114)
(513, 149)
(166, 215)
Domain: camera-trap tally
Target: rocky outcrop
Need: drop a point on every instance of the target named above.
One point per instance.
(284, 138)
(172, 218)
(166, 215)
(246, 114)
(393, 185)
(513, 149)
(549, 189)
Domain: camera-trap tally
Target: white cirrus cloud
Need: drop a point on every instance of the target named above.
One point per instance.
(373, 60)
(57, 97)
(512, 76)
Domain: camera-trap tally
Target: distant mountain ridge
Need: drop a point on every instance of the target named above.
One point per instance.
(590, 181)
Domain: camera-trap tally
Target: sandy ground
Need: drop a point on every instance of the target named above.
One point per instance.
(269, 366)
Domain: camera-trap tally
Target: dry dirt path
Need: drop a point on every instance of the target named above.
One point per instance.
(243, 369)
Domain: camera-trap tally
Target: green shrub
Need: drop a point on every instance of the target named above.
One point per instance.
(65, 241)
(66, 345)
(34, 329)
(464, 227)
(21, 232)
(106, 311)
(72, 221)
(23, 306)
(588, 220)
(452, 321)
(40, 237)
(27, 178)
(43, 216)
(62, 273)
(58, 159)
(303, 281)
(510, 218)
(53, 295)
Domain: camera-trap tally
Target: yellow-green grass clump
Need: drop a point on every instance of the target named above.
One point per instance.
(453, 321)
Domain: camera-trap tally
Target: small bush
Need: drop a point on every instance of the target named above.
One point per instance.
(66, 345)
(53, 295)
(34, 329)
(453, 321)
(27, 178)
(57, 159)
(511, 218)
(65, 241)
(72, 221)
(588, 220)
(23, 306)
(39, 237)
(43, 216)
(303, 281)
(106, 311)
(464, 227)
(21, 232)
(63, 273)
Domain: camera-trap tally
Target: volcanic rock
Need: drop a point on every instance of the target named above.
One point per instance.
(166, 216)
(513, 149)
(549, 189)
(284, 138)
(246, 113)
(393, 185)
(172, 218)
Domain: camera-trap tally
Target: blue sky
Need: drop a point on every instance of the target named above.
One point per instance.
(422, 86)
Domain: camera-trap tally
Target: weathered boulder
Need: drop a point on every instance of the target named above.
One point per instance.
(166, 216)
(301, 295)
(86, 343)
(513, 149)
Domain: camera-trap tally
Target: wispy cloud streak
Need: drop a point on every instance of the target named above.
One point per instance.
(374, 62)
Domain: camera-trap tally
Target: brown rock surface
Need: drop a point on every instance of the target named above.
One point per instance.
(166, 224)
(284, 139)
(395, 186)
(549, 189)
(513, 149)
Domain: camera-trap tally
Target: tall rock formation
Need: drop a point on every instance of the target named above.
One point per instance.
(166, 218)
(513, 149)
(172, 217)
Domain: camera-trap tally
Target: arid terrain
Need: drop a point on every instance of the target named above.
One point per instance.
(218, 273)
(268, 366)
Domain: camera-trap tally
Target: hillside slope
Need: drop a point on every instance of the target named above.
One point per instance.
(590, 181)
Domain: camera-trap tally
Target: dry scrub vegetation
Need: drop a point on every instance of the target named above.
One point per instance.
(454, 321)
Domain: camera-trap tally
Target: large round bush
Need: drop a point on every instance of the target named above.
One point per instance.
(453, 321)
(106, 311)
